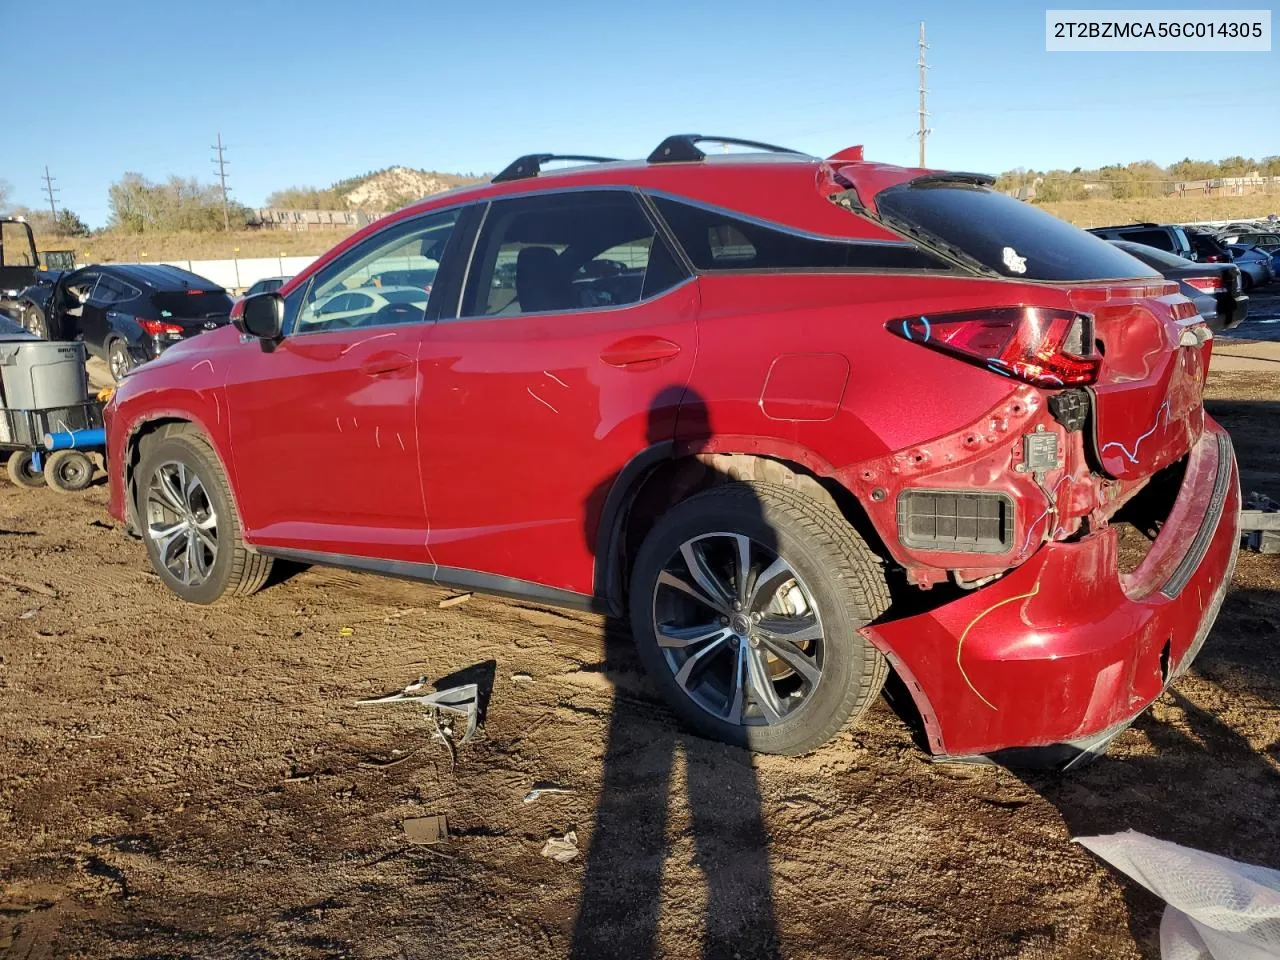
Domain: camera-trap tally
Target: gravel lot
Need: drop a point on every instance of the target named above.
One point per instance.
(182, 781)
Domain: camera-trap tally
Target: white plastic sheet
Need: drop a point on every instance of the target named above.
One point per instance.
(1218, 909)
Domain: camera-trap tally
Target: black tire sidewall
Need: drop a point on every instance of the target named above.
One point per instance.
(18, 466)
(843, 654)
(197, 457)
(60, 460)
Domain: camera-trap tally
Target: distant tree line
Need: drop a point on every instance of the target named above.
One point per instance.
(1143, 178)
(180, 203)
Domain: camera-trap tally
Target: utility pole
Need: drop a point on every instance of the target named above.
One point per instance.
(924, 132)
(221, 163)
(50, 190)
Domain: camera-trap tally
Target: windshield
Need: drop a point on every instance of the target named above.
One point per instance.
(1008, 236)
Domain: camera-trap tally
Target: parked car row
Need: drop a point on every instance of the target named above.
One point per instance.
(738, 397)
(125, 314)
(1192, 256)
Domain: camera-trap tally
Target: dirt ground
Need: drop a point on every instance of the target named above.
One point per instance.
(183, 781)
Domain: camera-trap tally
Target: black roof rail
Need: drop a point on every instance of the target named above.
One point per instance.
(683, 148)
(530, 165)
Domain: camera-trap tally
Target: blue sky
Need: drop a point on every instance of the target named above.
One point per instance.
(311, 92)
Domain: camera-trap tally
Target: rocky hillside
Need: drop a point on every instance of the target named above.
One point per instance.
(380, 191)
(386, 188)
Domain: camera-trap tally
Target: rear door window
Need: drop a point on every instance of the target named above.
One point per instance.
(1011, 237)
(555, 253)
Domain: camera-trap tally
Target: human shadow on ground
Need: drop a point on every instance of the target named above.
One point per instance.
(630, 842)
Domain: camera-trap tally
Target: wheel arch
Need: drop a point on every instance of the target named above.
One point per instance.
(147, 432)
(665, 474)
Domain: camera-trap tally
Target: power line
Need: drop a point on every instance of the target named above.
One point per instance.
(924, 132)
(50, 190)
(221, 162)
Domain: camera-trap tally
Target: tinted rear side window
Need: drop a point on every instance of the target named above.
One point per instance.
(193, 303)
(1007, 234)
(717, 240)
(1159, 239)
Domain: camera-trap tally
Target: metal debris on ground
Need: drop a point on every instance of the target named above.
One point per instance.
(346, 632)
(454, 601)
(544, 789)
(444, 707)
(561, 849)
(1260, 524)
(434, 829)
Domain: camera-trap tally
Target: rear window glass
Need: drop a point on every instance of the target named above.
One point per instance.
(193, 303)
(1006, 234)
(1153, 257)
(717, 240)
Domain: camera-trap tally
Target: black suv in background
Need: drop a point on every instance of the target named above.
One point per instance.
(1208, 248)
(1168, 237)
(125, 313)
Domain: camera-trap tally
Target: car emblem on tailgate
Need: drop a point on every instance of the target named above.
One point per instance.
(210, 325)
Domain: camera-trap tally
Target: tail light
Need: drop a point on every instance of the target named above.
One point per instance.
(1044, 347)
(1206, 284)
(158, 329)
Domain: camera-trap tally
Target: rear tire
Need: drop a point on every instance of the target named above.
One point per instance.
(22, 471)
(119, 361)
(68, 470)
(189, 523)
(808, 576)
(1246, 282)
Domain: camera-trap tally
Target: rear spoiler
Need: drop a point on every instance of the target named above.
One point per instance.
(977, 179)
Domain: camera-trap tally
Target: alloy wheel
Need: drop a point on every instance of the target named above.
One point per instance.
(118, 361)
(738, 629)
(182, 522)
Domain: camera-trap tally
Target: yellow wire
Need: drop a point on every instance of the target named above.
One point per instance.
(972, 624)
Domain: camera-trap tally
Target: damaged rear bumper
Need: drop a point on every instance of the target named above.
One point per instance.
(1049, 663)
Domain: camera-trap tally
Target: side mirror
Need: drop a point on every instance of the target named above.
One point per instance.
(261, 316)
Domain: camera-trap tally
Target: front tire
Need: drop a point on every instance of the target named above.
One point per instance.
(34, 320)
(68, 470)
(746, 601)
(22, 470)
(189, 522)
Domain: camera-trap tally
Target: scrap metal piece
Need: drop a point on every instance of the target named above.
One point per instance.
(1260, 524)
(449, 703)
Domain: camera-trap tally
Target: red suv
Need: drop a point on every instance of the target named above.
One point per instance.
(807, 420)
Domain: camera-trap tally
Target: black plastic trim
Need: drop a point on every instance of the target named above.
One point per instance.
(1007, 538)
(530, 165)
(1208, 524)
(443, 576)
(609, 585)
(683, 148)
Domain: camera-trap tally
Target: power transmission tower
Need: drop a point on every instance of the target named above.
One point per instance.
(221, 163)
(924, 131)
(50, 190)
